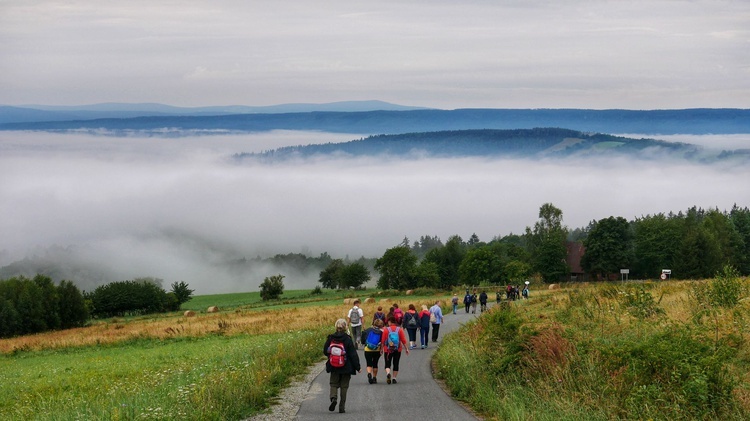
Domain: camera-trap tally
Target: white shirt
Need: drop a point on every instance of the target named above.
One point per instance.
(361, 315)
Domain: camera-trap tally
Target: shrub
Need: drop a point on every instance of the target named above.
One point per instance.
(140, 296)
(640, 303)
(272, 287)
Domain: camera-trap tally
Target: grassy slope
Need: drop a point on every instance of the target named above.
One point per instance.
(611, 351)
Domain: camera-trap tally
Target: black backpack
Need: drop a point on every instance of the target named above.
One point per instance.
(410, 320)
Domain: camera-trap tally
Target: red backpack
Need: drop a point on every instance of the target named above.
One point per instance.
(336, 354)
(399, 315)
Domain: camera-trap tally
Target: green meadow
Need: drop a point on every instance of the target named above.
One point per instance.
(646, 351)
(220, 369)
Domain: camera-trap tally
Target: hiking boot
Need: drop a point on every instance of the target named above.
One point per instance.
(374, 380)
(341, 411)
(394, 381)
(332, 406)
(369, 378)
(388, 378)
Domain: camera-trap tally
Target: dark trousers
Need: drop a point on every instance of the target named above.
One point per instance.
(340, 381)
(392, 358)
(435, 330)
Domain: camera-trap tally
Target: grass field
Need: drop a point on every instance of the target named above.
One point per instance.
(213, 366)
(652, 351)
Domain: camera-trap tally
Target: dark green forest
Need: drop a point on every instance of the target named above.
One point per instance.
(694, 244)
(518, 143)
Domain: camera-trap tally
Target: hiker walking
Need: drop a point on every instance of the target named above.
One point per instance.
(474, 303)
(394, 340)
(379, 315)
(398, 314)
(355, 321)
(343, 361)
(483, 302)
(424, 326)
(436, 319)
(411, 324)
(467, 300)
(454, 301)
(372, 338)
(525, 292)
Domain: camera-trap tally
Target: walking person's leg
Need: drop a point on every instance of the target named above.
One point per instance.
(357, 333)
(335, 383)
(375, 360)
(388, 359)
(396, 360)
(344, 388)
(435, 330)
(369, 356)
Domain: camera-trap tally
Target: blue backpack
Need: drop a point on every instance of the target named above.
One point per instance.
(373, 339)
(393, 339)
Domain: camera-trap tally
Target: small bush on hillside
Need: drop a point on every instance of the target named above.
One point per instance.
(640, 303)
(272, 287)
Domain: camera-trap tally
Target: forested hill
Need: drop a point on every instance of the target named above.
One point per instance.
(539, 142)
(687, 121)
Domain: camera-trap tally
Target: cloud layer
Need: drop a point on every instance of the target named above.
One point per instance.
(179, 208)
(445, 54)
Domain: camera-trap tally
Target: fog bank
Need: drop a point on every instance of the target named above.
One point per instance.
(180, 209)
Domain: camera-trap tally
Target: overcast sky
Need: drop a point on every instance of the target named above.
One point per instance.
(637, 54)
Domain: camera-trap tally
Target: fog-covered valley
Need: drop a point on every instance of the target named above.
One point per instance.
(180, 209)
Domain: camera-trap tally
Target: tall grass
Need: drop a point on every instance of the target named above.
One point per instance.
(612, 351)
(213, 366)
(209, 378)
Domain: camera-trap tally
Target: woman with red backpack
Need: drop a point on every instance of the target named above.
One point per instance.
(343, 361)
(394, 340)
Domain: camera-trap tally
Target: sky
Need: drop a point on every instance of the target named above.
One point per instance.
(179, 209)
(634, 54)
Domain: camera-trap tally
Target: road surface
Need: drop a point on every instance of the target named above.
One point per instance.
(416, 394)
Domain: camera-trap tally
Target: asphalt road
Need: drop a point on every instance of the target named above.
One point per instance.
(416, 394)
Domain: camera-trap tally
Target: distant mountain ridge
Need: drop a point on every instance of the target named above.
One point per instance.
(651, 122)
(40, 113)
(491, 143)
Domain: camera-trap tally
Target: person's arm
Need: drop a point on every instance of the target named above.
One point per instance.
(326, 345)
(402, 337)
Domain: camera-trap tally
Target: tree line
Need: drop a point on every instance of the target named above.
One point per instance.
(693, 244)
(37, 305)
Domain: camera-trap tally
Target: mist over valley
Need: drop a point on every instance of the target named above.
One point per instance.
(103, 208)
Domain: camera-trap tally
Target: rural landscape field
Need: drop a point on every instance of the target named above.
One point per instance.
(615, 350)
(273, 163)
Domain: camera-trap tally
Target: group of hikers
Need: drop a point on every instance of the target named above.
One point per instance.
(385, 337)
(512, 293)
(389, 335)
